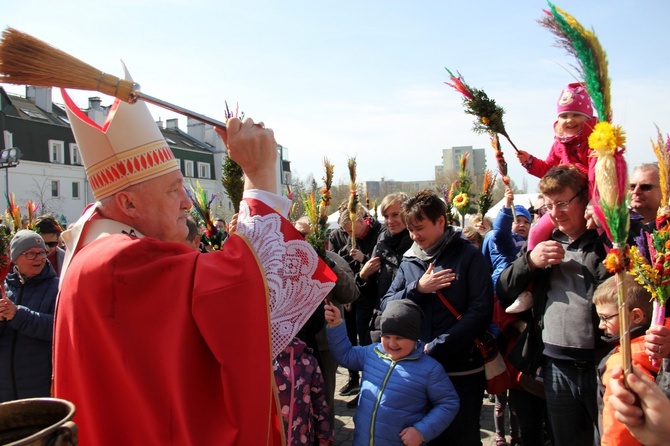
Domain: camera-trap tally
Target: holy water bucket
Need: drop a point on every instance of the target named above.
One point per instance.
(37, 422)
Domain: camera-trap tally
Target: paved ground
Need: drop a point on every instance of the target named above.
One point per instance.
(344, 424)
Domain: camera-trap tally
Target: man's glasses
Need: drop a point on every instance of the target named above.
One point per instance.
(643, 186)
(562, 206)
(51, 244)
(606, 319)
(34, 255)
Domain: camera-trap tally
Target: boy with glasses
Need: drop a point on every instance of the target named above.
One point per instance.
(639, 307)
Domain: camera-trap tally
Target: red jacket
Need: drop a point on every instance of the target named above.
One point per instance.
(573, 152)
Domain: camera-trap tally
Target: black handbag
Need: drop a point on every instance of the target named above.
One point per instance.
(526, 353)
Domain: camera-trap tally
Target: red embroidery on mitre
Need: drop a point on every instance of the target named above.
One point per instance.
(130, 167)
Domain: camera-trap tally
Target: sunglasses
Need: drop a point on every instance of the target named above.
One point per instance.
(643, 187)
(51, 244)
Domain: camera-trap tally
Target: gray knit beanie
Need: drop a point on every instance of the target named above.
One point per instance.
(23, 241)
(402, 318)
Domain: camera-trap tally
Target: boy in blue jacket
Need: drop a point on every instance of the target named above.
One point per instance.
(406, 397)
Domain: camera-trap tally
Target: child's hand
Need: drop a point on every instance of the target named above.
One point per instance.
(523, 156)
(410, 436)
(333, 316)
(509, 197)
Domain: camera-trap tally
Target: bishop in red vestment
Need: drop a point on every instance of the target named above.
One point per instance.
(155, 343)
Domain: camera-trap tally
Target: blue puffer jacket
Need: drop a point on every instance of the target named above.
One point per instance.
(26, 340)
(501, 245)
(414, 391)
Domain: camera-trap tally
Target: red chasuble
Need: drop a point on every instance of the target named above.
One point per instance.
(157, 344)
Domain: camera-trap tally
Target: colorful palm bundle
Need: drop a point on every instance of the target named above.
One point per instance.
(314, 237)
(608, 143)
(232, 176)
(202, 213)
(324, 203)
(13, 213)
(5, 261)
(462, 199)
(317, 212)
(502, 165)
(31, 210)
(656, 276)
(477, 103)
(485, 200)
(353, 199)
(448, 195)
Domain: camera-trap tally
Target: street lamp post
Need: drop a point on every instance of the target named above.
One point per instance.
(9, 158)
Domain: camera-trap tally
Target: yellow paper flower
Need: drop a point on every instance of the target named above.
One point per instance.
(461, 201)
(603, 139)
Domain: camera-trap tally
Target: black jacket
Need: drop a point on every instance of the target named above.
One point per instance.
(449, 340)
(26, 340)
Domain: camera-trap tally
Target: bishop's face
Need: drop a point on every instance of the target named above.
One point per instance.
(162, 204)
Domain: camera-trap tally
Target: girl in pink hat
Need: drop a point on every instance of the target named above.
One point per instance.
(573, 126)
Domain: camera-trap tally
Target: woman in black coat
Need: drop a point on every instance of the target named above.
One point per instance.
(26, 320)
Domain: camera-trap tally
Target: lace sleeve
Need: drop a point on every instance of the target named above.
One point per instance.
(290, 268)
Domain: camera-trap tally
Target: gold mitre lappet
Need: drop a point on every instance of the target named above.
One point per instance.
(127, 149)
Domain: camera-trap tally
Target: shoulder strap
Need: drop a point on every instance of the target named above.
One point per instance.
(448, 305)
(458, 316)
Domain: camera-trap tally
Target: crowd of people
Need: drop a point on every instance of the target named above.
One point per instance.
(129, 316)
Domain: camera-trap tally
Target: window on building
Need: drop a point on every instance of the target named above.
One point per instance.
(56, 151)
(204, 170)
(75, 159)
(55, 188)
(75, 190)
(188, 168)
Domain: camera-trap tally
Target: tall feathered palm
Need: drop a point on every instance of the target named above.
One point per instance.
(608, 144)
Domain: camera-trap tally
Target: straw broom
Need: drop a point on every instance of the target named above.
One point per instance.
(26, 60)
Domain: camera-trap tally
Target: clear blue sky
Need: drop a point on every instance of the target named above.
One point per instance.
(365, 78)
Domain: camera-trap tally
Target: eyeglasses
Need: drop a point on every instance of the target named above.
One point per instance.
(643, 186)
(562, 206)
(51, 244)
(541, 211)
(33, 255)
(606, 319)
